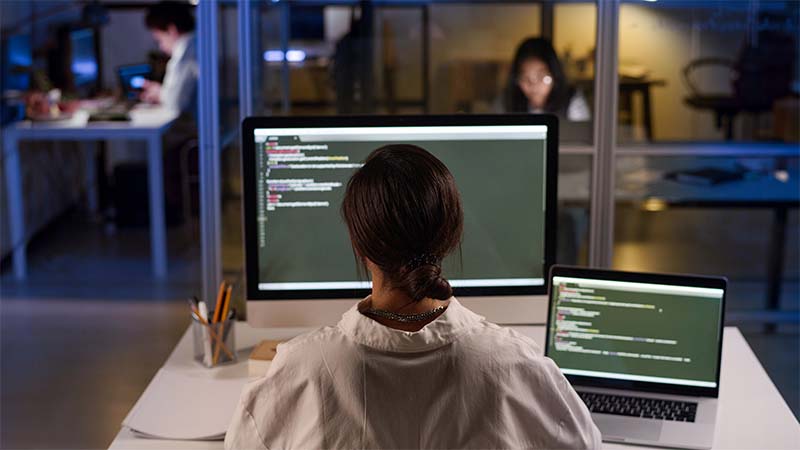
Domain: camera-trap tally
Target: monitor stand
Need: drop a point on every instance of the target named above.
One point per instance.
(505, 310)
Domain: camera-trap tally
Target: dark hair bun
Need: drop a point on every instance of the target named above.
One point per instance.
(425, 281)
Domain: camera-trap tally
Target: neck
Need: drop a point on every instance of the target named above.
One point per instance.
(387, 299)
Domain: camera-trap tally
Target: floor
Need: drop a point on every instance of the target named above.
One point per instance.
(82, 337)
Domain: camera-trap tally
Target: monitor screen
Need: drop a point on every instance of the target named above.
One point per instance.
(297, 243)
(17, 62)
(132, 79)
(83, 57)
(648, 332)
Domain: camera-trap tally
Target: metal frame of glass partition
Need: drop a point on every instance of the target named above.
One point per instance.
(603, 151)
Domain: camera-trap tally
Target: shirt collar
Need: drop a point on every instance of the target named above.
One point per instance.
(452, 323)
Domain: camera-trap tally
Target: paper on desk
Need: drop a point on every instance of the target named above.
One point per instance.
(178, 406)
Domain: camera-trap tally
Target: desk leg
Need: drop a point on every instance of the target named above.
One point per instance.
(91, 178)
(648, 114)
(775, 263)
(16, 205)
(155, 182)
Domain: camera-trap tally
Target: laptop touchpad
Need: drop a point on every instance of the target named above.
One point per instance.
(619, 427)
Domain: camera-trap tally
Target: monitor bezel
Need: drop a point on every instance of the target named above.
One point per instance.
(640, 277)
(250, 124)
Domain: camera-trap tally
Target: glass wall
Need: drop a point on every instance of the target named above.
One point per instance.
(432, 57)
(707, 163)
(708, 70)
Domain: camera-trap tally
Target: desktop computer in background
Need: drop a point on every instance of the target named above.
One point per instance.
(300, 267)
(74, 63)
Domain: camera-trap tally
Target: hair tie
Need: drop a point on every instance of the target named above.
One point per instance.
(421, 260)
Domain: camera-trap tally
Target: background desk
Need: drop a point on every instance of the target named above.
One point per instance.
(752, 413)
(147, 124)
(646, 188)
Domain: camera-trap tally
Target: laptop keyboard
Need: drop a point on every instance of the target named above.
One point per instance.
(650, 408)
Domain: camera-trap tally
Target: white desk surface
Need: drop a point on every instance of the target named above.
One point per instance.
(752, 413)
(145, 120)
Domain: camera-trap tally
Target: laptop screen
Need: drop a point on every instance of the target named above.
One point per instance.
(648, 332)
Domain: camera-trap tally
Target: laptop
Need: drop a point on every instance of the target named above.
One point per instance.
(132, 78)
(642, 351)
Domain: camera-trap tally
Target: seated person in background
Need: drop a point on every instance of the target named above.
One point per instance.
(536, 84)
(172, 25)
(409, 366)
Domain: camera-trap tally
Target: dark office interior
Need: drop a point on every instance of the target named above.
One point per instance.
(704, 158)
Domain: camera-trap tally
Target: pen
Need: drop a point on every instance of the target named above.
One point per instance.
(215, 336)
(206, 340)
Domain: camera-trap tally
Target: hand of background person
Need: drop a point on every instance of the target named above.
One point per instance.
(151, 91)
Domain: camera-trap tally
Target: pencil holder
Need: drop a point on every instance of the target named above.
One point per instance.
(214, 343)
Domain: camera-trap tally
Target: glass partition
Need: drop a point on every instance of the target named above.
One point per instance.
(733, 216)
(436, 57)
(708, 70)
(425, 57)
(692, 73)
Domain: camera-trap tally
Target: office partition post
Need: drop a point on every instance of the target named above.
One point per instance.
(285, 80)
(245, 36)
(209, 138)
(601, 232)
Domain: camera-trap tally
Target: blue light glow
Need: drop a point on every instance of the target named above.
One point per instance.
(84, 68)
(137, 82)
(273, 56)
(295, 55)
(291, 56)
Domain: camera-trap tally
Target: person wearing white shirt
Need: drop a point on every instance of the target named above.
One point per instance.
(537, 84)
(172, 26)
(409, 366)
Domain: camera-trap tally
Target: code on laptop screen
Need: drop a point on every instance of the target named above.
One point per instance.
(636, 331)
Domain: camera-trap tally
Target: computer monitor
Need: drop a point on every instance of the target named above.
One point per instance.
(17, 62)
(300, 267)
(83, 61)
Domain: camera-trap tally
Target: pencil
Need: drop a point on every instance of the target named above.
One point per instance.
(218, 306)
(225, 305)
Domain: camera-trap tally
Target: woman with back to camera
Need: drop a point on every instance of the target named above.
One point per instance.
(537, 84)
(409, 366)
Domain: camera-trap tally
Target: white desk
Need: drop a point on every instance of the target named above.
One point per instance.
(147, 124)
(752, 413)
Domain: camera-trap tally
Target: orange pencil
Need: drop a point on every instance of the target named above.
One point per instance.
(218, 306)
(225, 305)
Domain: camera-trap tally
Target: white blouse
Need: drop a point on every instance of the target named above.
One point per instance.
(179, 89)
(459, 382)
